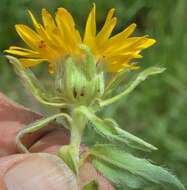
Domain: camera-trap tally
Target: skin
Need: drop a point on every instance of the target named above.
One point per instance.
(41, 169)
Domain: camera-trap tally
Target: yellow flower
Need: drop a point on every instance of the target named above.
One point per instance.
(58, 38)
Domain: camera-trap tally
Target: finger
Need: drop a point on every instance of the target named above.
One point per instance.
(35, 171)
(89, 173)
(13, 117)
(44, 171)
(51, 142)
(19, 117)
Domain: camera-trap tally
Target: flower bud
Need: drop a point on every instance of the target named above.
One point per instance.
(79, 81)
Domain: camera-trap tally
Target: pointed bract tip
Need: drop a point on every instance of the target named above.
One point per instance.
(12, 59)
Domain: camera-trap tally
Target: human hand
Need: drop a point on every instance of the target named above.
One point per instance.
(41, 169)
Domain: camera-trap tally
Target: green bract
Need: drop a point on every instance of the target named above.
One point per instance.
(79, 82)
(81, 88)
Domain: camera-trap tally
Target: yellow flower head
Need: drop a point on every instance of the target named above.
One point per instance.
(58, 38)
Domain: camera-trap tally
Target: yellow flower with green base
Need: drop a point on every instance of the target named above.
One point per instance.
(58, 38)
(86, 73)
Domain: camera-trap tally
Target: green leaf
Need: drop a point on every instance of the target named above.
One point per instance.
(33, 84)
(115, 82)
(132, 140)
(93, 185)
(141, 168)
(35, 126)
(121, 178)
(133, 84)
(69, 154)
(110, 130)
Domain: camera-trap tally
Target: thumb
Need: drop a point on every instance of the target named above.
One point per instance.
(40, 171)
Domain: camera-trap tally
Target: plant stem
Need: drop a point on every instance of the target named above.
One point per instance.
(77, 129)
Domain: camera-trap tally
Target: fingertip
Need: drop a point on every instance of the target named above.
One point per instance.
(42, 171)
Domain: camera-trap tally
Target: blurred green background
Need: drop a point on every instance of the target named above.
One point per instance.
(157, 109)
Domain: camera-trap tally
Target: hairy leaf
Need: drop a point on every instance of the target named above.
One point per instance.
(142, 168)
(115, 82)
(68, 154)
(133, 84)
(93, 185)
(110, 130)
(33, 85)
(120, 177)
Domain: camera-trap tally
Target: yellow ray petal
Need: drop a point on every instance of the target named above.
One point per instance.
(35, 41)
(58, 37)
(127, 45)
(39, 28)
(148, 42)
(31, 38)
(22, 49)
(108, 27)
(139, 44)
(34, 21)
(115, 40)
(66, 24)
(119, 66)
(122, 57)
(66, 17)
(47, 38)
(51, 29)
(48, 21)
(22, 53)
(90, 29)
(116, 67)
(31, 62)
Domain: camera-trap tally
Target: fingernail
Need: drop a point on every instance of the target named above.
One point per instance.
(40, 172)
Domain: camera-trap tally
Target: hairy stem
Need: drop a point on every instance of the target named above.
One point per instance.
(77, 128)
